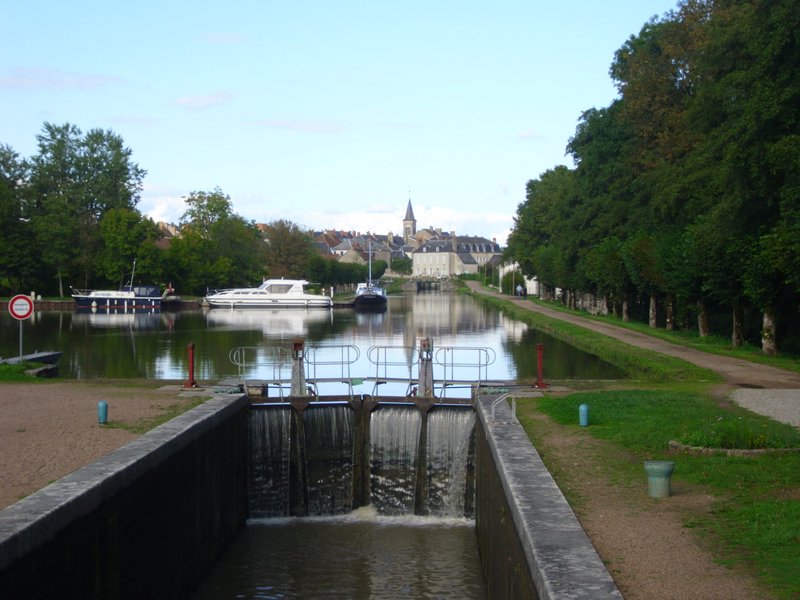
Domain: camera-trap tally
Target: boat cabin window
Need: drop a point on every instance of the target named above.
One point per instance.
(279, 288)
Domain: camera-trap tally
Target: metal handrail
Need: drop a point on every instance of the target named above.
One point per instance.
(348, 355)
(500, 399)
(379, 356)
(445, 357)
(321, 360)
(245, 356)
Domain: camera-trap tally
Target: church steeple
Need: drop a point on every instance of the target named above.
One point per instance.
(409, 223)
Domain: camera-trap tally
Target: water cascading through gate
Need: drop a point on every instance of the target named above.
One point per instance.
(308, 462)
(394, 444)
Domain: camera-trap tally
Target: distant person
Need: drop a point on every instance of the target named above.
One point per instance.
(519, 290)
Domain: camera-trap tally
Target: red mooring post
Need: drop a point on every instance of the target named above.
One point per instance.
(539, 361)
(191, 383)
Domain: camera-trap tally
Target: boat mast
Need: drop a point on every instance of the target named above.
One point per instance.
(132, 272)
(369, 261)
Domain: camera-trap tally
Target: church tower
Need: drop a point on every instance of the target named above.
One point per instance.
(409, 224)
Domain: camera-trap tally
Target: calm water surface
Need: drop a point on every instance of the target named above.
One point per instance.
(354, 557)
(154, 346)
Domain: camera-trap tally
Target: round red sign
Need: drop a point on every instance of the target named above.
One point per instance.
(21, 307)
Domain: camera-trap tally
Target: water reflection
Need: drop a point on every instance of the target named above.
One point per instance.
(350, 558)
(130, 320)
(273, 323)
(155, 345)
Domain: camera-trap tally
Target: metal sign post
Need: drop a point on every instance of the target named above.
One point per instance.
(21, 308)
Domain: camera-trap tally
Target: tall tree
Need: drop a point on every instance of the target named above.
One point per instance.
(123, 233)
(74, 180)
(205, 209)
(748, 109)
(19, 262)
(288, 251)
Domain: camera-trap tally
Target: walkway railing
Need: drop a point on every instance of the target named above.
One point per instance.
(255, 357)
(458, 359)
(390, 361)
(331, 364)
(453, 366)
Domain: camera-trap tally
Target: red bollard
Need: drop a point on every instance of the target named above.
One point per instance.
(539, 361)
(191, 383)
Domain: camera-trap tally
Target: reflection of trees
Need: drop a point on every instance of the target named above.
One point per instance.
(437, 314)
(560, 360)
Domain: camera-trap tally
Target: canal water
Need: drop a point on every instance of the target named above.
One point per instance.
(360, 556)
(154, 346)
(382, 550)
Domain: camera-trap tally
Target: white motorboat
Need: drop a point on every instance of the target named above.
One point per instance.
(273, 293)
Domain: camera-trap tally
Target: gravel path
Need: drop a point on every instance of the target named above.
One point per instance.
(48, 429)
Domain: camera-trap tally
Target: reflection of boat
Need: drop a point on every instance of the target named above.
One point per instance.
(130, 319)
(273, 293)
(45, 358)
(129, 298)
(369, 295)
(281, 322)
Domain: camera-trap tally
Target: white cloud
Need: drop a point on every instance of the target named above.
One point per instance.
(161, 204)
(164, 205)
(39, 78)
(531, 134)
(224, 37)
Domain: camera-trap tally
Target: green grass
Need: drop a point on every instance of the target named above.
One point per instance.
(144, 425)
(646, 420)
(17, 372)
(756, 517)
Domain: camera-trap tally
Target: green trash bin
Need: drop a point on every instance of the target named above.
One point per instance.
(658, 477)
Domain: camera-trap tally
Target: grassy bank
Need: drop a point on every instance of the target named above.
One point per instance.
(712, 344)
(754, 523)
(640, 365)
(17, 372)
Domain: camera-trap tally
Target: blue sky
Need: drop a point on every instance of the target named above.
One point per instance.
(329, 114)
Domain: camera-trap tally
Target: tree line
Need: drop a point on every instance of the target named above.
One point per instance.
(682, 208)
(69, 219)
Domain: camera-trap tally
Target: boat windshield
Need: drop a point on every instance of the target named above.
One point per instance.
(278, 288)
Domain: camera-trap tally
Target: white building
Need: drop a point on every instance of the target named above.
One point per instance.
(451, 256)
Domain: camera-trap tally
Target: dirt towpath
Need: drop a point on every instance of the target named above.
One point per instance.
(736, 372)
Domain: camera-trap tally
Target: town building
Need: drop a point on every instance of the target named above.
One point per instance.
(450, 255)
(434, 253)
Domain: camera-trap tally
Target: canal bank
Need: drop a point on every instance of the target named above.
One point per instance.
(103, 530)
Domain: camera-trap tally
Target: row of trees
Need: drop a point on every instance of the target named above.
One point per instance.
(68, 218)
(686, 189)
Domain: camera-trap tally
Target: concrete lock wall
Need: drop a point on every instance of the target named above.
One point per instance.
(531, 544)
(145, 521)
(149, 520)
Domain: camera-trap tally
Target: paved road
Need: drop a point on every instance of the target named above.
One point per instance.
(764, 389)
